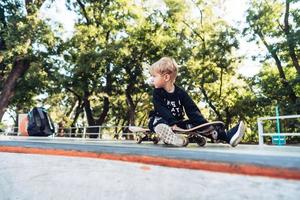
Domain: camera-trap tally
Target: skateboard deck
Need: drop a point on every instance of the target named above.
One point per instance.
(196, 134)
(136, 129)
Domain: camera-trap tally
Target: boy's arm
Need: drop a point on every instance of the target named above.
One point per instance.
(192, 110)
(162, 109)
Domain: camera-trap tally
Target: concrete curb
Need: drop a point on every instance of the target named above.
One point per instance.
(236, 168)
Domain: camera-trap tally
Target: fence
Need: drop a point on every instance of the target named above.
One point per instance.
(261, 133)
(100, 132)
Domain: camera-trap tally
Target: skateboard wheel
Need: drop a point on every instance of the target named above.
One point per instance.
(155, 140)
(186, 142)
(139, 139)
(201, 141)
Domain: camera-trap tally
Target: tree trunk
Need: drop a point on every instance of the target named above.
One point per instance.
(290, 38)
(131, 106)
(87, 108)
(20, 66)
(104, 112)
(78, 111)
(108, 91)
(228, 118)
(221, 82)
(89, 113)
(3, 22)
(79, 107)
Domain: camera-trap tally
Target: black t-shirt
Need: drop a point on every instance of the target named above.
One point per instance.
(173, 106)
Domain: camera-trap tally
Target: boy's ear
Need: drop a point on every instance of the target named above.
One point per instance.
(167, 77)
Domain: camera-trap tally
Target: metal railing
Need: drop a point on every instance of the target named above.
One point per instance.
(99, 132)
(9, 130)
(261, 133)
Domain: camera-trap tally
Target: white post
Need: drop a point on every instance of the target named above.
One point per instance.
(84, 132)
(260, 132)
(99, 134)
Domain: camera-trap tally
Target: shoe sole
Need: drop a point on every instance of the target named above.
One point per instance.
(168, 136)
(166, 133)
(235, 140)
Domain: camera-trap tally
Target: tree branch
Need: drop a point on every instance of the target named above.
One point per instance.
(195, 32)
(85, 14)
(201, 13)
(290, 37)
(211, 105)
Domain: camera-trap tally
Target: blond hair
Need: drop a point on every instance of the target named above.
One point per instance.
(165, 65)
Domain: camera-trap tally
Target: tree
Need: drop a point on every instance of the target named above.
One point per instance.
(276, 25)
(93, 54)
(153, 36)
(210, 70)
(22, 37)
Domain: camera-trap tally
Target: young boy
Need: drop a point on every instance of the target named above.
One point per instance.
(171, 103)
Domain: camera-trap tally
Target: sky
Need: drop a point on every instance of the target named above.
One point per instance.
(235, 15)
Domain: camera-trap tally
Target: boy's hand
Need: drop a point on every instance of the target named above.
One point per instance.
(174, 127)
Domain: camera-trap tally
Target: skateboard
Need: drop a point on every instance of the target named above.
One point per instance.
(195, 134)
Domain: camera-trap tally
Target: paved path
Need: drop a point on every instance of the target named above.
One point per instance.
(35, 177)
(28, 176)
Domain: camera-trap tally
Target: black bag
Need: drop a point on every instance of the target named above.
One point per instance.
(39, 123)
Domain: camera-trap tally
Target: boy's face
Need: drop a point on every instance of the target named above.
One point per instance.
(159, 80)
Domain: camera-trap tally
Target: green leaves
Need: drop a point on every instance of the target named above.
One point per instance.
(271, 24)
(27, 40)
(99, 69)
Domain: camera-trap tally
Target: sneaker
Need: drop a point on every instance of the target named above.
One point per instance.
(181, 141)
(236, 134)
(168, 136)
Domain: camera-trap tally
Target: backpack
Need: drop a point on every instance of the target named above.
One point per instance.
(39, 123)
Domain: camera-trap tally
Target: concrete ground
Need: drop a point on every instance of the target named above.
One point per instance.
(35, 175)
